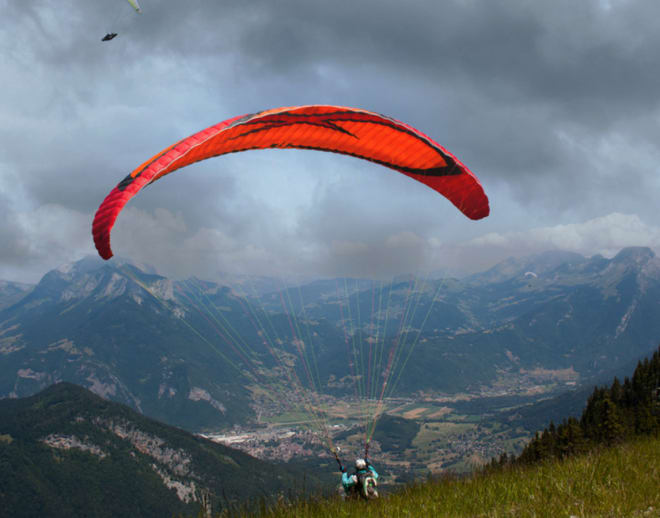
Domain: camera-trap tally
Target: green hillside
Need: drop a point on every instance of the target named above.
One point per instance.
(617, 482)
(67, 452)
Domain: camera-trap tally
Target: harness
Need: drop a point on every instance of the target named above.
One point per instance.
(366, 484)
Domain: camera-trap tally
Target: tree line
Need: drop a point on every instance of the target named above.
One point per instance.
(613, 414)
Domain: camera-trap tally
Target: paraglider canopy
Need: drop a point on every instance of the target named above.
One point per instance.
(135, 5)
(349, 131)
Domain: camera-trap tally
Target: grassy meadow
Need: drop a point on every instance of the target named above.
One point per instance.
(623, 481)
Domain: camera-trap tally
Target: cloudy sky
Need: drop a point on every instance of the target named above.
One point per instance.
(553, 105)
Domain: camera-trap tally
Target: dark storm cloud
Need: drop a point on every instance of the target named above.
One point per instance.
(523, 90)
(577, 55)
(553, 105)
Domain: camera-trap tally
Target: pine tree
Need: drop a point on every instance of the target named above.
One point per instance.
(611, 425)
(616, 391)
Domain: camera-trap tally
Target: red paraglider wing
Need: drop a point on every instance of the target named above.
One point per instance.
(348, 131)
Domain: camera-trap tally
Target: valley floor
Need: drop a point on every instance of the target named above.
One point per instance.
(450, 433)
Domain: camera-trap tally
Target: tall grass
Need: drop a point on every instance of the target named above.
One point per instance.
(622, 481)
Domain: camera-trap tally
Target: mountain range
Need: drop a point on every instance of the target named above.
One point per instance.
(196, 353)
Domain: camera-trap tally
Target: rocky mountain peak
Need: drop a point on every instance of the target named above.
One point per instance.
(91, 276)
(537, 264)
(637, 255)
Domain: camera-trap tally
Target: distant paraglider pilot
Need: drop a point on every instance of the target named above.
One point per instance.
(109, 36)
(362, 483)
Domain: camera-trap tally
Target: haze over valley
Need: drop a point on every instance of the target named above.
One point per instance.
(466, 352)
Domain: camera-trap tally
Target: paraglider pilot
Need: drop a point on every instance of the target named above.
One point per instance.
(362, 482)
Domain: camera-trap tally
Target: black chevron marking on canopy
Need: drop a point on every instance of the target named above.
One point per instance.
(267, 125)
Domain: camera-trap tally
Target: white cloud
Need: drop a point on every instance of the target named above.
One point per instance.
(48, 235)
(605, 235)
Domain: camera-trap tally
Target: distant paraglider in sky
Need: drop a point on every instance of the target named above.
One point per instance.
(112, 35)
(349, 131)
(530, 277)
